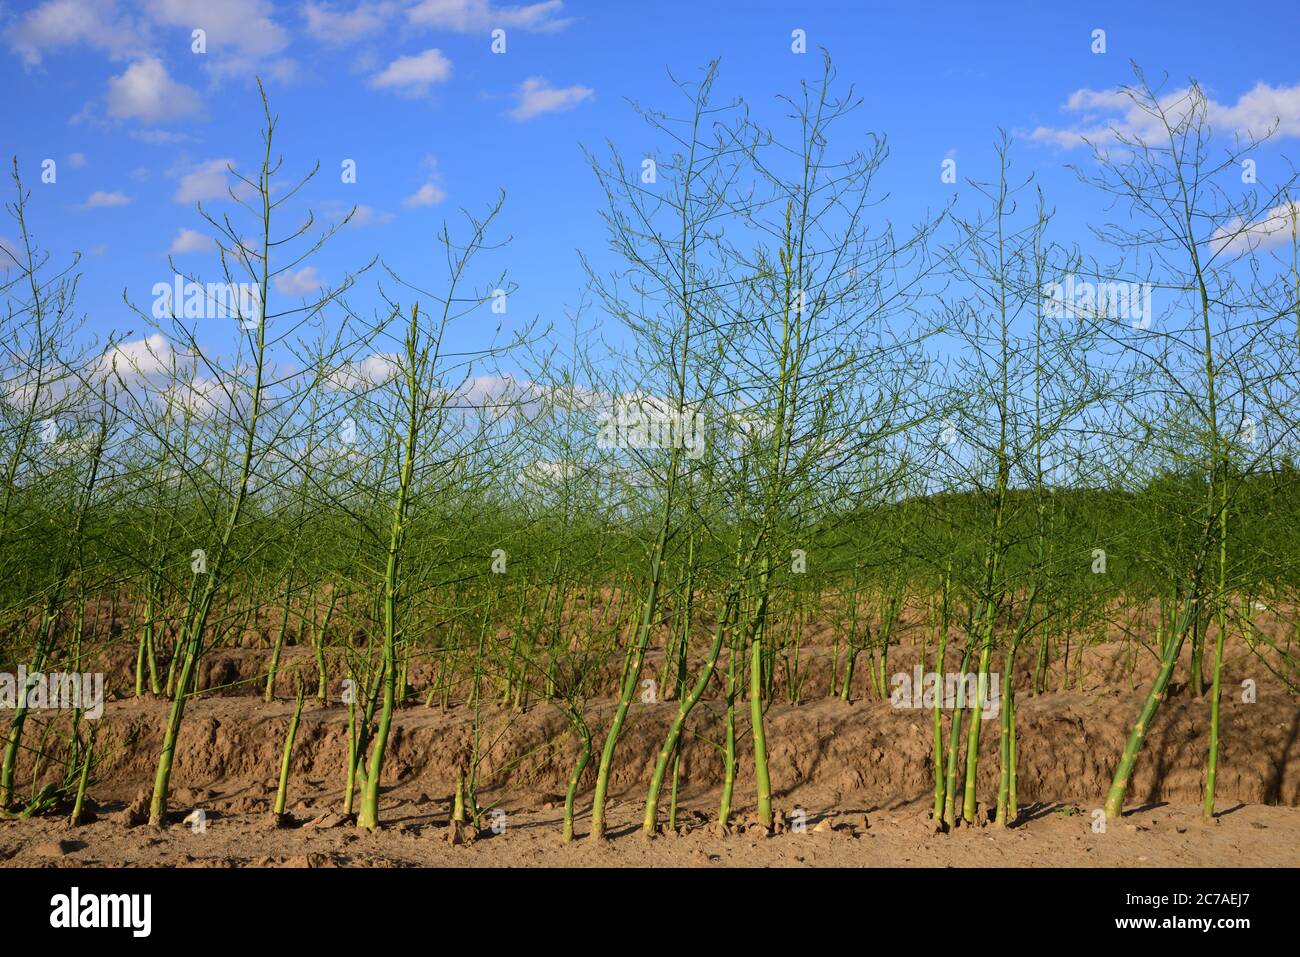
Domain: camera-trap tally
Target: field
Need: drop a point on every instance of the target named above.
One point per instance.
(803, 539)
(852, 780)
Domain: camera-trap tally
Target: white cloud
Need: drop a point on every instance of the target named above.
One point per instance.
(77, 160)
(369, 216)
(60, 23)
(329, 24)
(160, 137)
(239, 32)
(100, 199)
(206, 181)
(1269, 231)
(1101, 113)
(362, 216)
(140, 358)
(301, 283)
(484, 391)
(536, 97)
(369, 372)
(8, 254)
(431, 193)
(243, 29)
(413, 75)
(426, 195)
(146, 92)
(550, 471)
(152, 369)
(471, 16)
(190, 241)
(202, 397)
(1260, 108)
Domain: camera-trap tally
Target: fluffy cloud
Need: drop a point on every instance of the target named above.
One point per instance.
(240, 29)
(363, 216)
(431, 193)
(144, 358)
(146, 92)
(190, 241)
(330, 24)
(100, 199)
(427, 195)
(413, 75)
(369, 216)
(471, 16)
(209, 180)
(239, 32)
(160, 137)
(536, 97)
(339, 23)
(60, 23)
(364, 374)
(157, 374)
(1101, 113)
(301, 283)
(199, 396)
(8, 254)
(1269, 231)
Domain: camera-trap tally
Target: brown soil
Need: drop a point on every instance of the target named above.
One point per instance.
(860, 772)
(1168, 836)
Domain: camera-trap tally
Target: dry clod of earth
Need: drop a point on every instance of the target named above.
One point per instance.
(137, 812)
(923, 822)
(328, 820)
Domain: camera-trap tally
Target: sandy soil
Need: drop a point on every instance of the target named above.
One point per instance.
(860, 773)
(1051, 836)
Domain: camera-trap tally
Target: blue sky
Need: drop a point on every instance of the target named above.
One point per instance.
(140, 126)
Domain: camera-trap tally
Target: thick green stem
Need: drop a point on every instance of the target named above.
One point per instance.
(631, 676)
(969, 808)
(269, 694)
(83, 779)
(350, 778)
(763, 781)
(1006, 750)
(940, 652)
(671, 749)
(954, 747)
(1013, 805)
(1212, 759)
(1119, 784)
(729, 743)
(575, 778)
(282, 792)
